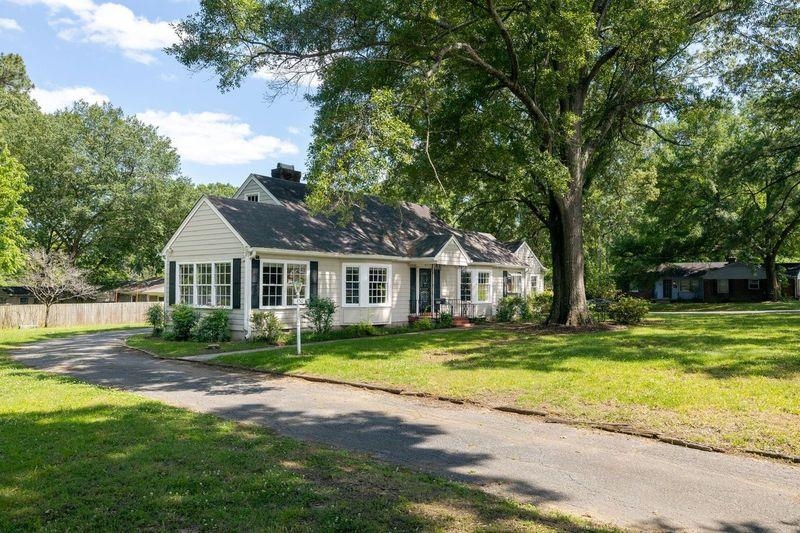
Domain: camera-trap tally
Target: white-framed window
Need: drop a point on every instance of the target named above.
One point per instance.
(186, 284)
(296, 272)
(205, 284)
(352, 285)
(534, 284)
(277, 289)
(483, 286)
(754, 284)
(466, 286)
(514, 283)
(252, 197)
(366, 285)
(722, 286)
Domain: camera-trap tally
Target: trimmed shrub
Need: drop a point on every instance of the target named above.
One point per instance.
(537, 307)
(320, 313)
(362, 329)
(598, 308)
(183, 319)
(424, 323)
(508, 309)
(213, 327)
(628, 310)
(445, 320)
(155, 317)
(267, 327)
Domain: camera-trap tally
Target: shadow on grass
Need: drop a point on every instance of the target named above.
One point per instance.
(720, 347)
(149, 466)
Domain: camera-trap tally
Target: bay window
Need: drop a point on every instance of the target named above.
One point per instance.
(205, 284)
(366, 285)
(277, 282)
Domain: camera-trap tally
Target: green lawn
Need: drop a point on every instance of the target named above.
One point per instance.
(80, 457)
(726, 306)
(185, 348)
(723, 380)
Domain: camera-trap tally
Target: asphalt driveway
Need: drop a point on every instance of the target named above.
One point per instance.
(624, 480)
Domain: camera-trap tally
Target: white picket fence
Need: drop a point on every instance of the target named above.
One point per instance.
(82, 314)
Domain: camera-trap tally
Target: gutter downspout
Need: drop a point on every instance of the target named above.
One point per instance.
(249, 253)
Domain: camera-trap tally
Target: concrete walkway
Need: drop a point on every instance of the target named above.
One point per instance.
(632, 482)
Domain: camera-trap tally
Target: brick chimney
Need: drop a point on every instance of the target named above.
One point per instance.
(286, 172)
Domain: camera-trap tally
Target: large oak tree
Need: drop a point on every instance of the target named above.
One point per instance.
(510, 103)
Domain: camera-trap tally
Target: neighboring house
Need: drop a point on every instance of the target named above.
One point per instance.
(728, 281)
(149, 290)
(385, 265)
(15, 295)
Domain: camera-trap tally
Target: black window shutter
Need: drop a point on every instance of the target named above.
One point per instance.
(413, 298)
(236, 278)
(313, 279)
(505, 283)
(255, 280)
(437, 284)
(172, 272)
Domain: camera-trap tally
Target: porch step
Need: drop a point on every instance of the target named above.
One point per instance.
(461, 322)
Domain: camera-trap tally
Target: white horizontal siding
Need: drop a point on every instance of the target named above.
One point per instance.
(252, 186)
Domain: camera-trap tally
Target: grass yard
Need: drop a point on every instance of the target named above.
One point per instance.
(184, 348)
(80, 457)
(730, 381)
(725, 306)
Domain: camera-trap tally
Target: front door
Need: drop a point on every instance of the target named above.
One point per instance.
(425, 290)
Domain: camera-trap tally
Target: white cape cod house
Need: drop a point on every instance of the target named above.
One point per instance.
(389, 263)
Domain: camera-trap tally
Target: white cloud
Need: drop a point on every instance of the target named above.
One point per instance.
(216, 138)
(109, 24)
(9, 25)
(53, 100)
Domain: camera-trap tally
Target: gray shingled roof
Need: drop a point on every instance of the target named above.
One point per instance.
(689, 270)
(376, 228)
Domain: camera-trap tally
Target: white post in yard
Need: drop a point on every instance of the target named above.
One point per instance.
(297, 285)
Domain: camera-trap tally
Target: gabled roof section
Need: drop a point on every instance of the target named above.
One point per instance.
(688, 270)
(375, 228)
(206, 200)
(254, 178)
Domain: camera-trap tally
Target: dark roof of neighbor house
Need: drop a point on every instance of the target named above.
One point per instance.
(689, 270)
(15, 290)
(792, 269)
(140, 285)
(375, 228)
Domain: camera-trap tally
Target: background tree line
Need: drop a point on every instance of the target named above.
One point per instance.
(88, 183)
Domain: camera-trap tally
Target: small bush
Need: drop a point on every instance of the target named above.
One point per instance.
(362, 329)
(445, 320)
(508, 309)
(598, 308)
(424, 323)
(184, 319)
(537, 307)
(628, 310)
(213, 327)
(267, 327)
(155, 317)
(320, 313)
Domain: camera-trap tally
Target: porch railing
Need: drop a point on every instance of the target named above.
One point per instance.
(452, 306)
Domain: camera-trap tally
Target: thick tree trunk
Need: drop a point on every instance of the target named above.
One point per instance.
(566, 246)
(773, 287)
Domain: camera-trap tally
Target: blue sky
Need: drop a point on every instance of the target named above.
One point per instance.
(99, 50)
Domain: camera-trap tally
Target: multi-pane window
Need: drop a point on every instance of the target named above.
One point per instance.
(252, 197)
(205, 284)
(483, 288)
(222, 284)
(277, 283)
(534, 284)
(272, 284)
(466, 285)
(378, 285)
(295, 273)
(205, 277)
(366, 285)
(352, 285)
(186, 284)
(515, 284)
(754, 284)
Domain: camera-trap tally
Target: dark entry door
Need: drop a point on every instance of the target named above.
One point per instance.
(424, 290)
(668, 289)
